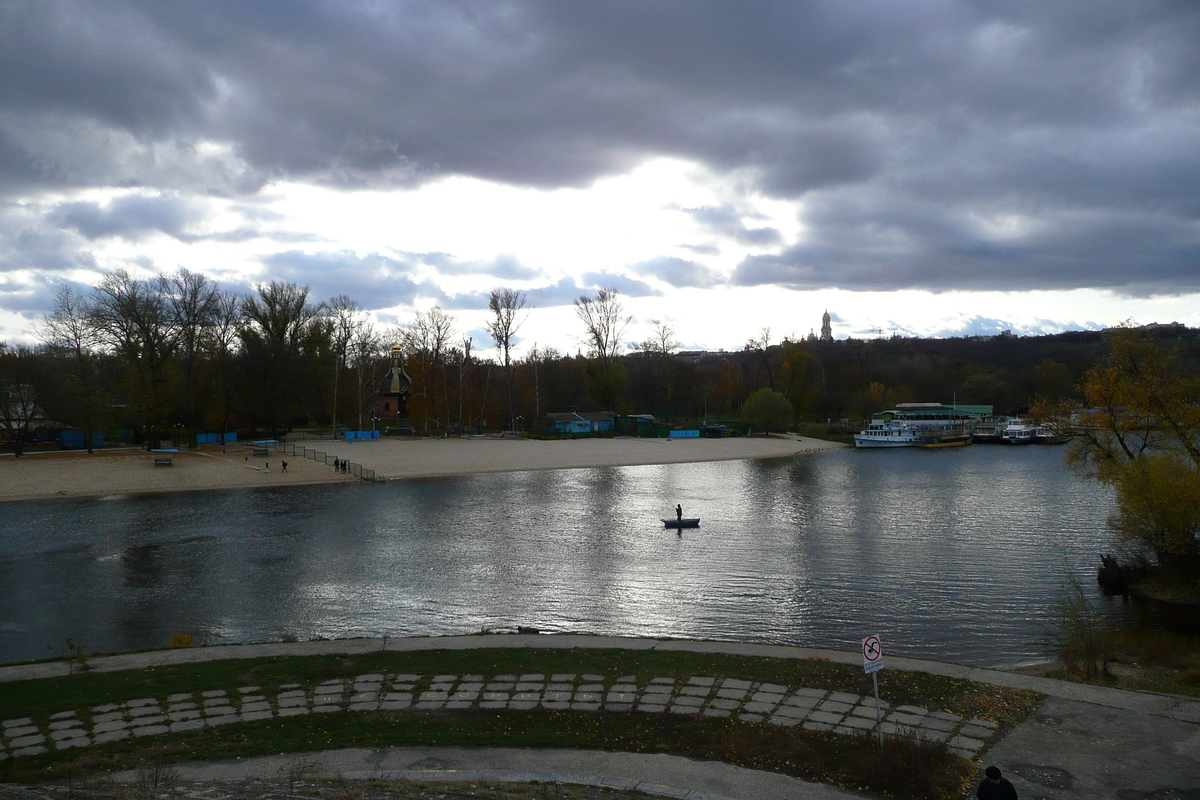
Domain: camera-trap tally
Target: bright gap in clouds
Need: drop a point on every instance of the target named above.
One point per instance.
(666, 208)
(609, 226)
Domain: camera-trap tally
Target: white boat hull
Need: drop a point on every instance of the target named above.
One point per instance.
(889, 438)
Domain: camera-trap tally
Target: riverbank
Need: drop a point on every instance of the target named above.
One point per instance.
(424, 458)
(132, 471)
(599, 706)
(803, 717)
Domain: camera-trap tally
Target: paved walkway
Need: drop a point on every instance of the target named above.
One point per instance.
(1085, 741)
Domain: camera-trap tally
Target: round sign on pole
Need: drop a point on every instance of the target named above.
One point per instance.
(872, 651)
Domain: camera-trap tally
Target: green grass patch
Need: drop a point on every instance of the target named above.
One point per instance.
(1147, 660)
(906, 768)
(39, 698)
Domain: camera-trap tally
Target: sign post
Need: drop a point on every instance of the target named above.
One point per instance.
(872, 651)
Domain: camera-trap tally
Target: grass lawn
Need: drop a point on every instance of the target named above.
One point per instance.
(1143, 660)
(906, 768)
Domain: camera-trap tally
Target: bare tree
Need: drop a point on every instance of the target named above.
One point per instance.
(761, 344)
(464, 360)
(72, 341)
(661, 346)
(602, 319)
(345, 322)
(282, 314)
(506, 306)
(429, 337)
(193, 299)
(136, 319)
(284, 336)
(221, 344)
(369, 358)
(662, 341)
(536, 358)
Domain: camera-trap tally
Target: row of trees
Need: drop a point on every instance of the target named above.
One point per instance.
(179, 353)
(176, 353)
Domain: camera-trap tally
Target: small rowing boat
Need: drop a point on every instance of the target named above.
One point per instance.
(686, 522)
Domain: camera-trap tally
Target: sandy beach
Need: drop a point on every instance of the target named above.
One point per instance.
(118, 472)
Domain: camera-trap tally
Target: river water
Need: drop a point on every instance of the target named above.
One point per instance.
(948, 554)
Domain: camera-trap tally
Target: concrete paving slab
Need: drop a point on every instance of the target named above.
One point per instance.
(67, 744)
(114, 725)
(155, 730)
(1077, 749)
(26, 741)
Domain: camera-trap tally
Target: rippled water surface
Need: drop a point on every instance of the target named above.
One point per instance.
(953, 554)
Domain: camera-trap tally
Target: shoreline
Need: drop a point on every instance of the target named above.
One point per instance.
(131, 471)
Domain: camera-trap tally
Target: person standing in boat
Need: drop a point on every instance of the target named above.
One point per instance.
(678, 513)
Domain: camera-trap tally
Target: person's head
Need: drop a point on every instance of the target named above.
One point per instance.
(993, 774)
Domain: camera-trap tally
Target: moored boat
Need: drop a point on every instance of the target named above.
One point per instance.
(987, 430)
(947, 439)
(917, 425)
(1049, 433)
(1018, 431)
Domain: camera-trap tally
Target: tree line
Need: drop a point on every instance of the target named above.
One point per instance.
(176, 354)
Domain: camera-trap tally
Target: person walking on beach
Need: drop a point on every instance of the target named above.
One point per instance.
(285, 466)
(337, 465)
(995, 786)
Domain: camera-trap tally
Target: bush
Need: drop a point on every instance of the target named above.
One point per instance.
(1079, 635)
(767, 410)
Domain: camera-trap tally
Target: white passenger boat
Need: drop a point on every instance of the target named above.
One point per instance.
(1019, 431)
(917, 425)
(890, 435)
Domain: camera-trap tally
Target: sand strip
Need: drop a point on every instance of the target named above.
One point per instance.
(121, 472)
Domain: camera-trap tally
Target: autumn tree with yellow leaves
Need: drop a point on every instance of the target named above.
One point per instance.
(1139, 431)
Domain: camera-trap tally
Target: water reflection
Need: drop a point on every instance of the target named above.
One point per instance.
(953, 554)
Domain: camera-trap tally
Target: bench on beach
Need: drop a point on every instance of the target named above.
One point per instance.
(261, 452)
(164, 461)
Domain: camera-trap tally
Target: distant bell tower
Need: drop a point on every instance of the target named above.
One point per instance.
(826, 328)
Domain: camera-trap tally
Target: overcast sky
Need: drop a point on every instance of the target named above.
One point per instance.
(930, 168)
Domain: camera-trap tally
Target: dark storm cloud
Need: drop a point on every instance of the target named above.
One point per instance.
(562, 293)
(504, 266)
(131, 216)
(30, 297)
(910, 130)
(936, 247)
(678, 272)
(728, 221)
(373, 280)
(630, 287)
